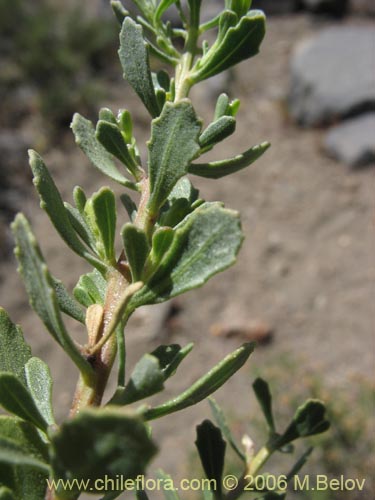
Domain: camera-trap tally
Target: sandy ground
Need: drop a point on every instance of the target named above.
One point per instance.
(306, 266)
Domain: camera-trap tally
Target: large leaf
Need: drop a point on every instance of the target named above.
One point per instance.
(84, 133)
(134, 59)
(39, 383)
(40, 289)
(221, 168)
(173, 144)
(14, 352)
(235, 44)
(205, 243)
(52, 203)
(206, 385)
(23, 459)
(17, 399)
(211, 447)
(101, 443)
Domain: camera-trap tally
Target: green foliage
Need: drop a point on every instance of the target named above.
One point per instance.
(173, 242)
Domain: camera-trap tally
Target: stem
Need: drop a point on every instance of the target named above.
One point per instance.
(255, 465)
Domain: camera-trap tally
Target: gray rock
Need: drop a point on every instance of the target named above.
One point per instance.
(353, 141)
(331, 7)
(363, 7)
(332, 75)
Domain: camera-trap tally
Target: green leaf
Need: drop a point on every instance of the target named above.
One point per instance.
(170, 356)
(217, 169)
(221, 421)
(100, 210)
(80, 199)
(179, 203)
(15, 398)
(211, 448)
(79, 223)
(52, 203)
(6, 494)
(206, 385)
(161, 241)
(168, 485)
(90, 289)
(222, 106)
(101, 443)
(119, 11)
(162, 7)
(217, 131)
(173, 144)
(146, 379)
(14, 352)
(84, 133)
(263, 395)
(136, 249)
(234, 44)
(109, 135)
(39, 383)
(41, 290)
(105, 114)
(299, 464)
(135, 63)
(23, 443)
(205, 243)
(12, 454)
(66, 303)
(130, 206)
(308, 420)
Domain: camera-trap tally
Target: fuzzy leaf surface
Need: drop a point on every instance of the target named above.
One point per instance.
(39, 382)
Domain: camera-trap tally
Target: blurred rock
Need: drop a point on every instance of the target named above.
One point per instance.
(254, 330)
(363, 7)
(331, 7)
(353, 141)
(332, 75)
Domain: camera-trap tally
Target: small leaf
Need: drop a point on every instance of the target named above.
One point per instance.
(105, 114)
(100, 210)
(221, 168)
(234, 44)
(6, 494)
(40, 289)
(217, 131)
(109, 135)
(130, 206)
(170, 356)
(101, 443)
(222, 106)
(161, 241)
(39, 383)
(15, 398)
(134, 59)
(66, 303)
(52, 203)
(90, 289)
(22, 440)
(168, 485)
(84, 133)
(146, 379)
(119, 11)
(205, 243)
(221, 421)
(162, 7)
(80, 199)
(299, 464)
(206, 385)
(14, 352)
(308, 420)
(173, 144)
(211, 447)
(136, 248)
(263, 395)
(80, 226)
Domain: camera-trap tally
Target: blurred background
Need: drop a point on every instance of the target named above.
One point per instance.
(304, 282)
